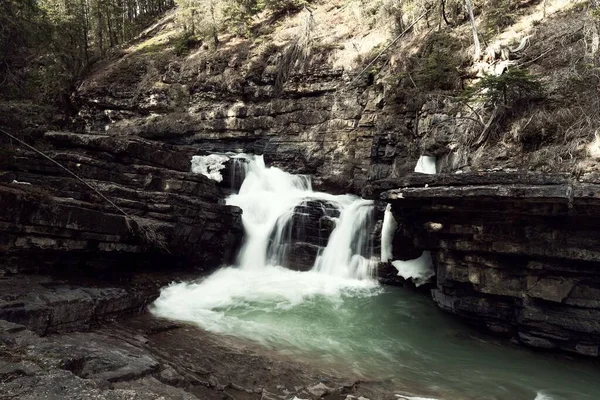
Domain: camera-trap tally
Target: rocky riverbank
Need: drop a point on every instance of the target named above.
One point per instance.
(145, 358)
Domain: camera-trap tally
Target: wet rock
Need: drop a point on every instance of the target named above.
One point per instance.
(319, 389)
(302, 256)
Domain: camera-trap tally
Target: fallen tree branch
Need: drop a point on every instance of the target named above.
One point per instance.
(484, 133)
(535, 59)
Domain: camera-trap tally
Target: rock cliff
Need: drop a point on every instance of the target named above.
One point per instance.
(516, 253)
(73, 257)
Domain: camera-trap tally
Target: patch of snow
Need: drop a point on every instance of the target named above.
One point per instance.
(21, 183)
(387, 234)
(594, 147)
(210, 166)
(426, 165)
(419, 270)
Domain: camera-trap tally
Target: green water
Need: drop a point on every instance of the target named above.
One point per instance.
(372, 333)
(400, 335)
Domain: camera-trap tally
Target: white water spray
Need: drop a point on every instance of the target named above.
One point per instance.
(419, 270)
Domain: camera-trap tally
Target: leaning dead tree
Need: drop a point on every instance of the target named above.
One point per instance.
(469, 7)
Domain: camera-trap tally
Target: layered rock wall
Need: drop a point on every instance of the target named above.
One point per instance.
(319, 121)
(515, 253)
(72, 257)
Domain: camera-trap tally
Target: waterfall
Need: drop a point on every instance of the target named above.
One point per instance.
(426, 165)
(348, 253)
(240, 164)
(268, 197)
(387, 234)
(260, 281)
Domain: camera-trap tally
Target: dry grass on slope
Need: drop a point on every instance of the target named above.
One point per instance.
(558, 46)
(558, 133)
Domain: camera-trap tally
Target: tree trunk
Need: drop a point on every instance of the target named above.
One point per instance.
(100, 33)
(215, 31)
(545, 3)
(444, 13)
(469, 6)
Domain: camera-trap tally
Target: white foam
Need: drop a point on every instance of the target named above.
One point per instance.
(543, 396)
(270, 287)
(387, 234)
(210, 166)
(426, 165)
(419, 270)
(16, 182)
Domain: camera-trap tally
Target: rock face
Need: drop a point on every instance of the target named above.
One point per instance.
(516, 253)
(172, 215)
(73, 258)
(313, 123)
(310, 229)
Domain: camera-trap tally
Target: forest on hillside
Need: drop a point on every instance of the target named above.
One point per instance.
(47, 46)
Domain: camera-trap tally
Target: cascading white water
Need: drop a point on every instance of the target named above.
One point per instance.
(268, 198)
(346, 253)
(240, 163)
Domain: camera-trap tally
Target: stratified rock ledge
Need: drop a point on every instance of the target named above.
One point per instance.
(515, 253)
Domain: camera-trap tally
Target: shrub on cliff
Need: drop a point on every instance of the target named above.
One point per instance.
(440, 62)
(515, 86)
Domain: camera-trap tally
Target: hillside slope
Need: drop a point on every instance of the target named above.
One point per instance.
(292, 90)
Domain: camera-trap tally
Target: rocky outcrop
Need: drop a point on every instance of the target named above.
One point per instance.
(310, 228)
(318, 121)
(160, 212)
(516, 253)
